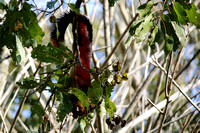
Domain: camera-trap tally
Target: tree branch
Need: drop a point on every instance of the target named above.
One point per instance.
(119, 41)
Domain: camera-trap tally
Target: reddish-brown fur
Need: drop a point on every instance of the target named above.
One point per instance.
(83, 76)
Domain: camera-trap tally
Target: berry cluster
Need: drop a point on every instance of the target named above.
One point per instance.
(113, 122)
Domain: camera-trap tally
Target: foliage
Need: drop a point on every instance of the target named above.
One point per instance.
(21, 27)
(20, 30)
(164, 25)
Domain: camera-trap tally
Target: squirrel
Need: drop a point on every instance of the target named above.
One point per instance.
(82, 41)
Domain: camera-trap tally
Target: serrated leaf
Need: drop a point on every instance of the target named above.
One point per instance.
(179, 32)
(47, 54)
(51, 4)
(81, 96)
(65, 51)
(95, 93)
(180, 12)
(145, 9)
(20, 53)
(110, 107)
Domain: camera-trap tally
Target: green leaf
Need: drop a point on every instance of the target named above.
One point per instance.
(52, 54)
(81, 96)
(135, 26)
(57, 85)
(110, 107)
(47, 54)
(153, 36)
(168, 28)
(83, 121)
(108, 89)
(169, 42)
(144, 28)
(82, 125)
(145, 9)
(112, 2)
(198, 20)
(37, 109)
(20, 53)
(51, 4)
(65, 107)
(179, 32)
(127, 41)
(105, 75)
(31, 23)
(12, 5)
(28, 83)
(65, 80)
(180, 12)
(10, 43)
(11, 19)
(101, 110)
(36, 32)
(65, 51)
(95, 93)
(73, 8)
(3, 5)
(191, 13)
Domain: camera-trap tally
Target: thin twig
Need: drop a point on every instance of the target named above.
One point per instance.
(155, 99)
(177, 86)
(119, 41)
(187, 121)
(187, 65)
(1, 115)
(167, 93)
(161, 105)
(155, 106)
(22, 103)
(19, 110)
(197, 122)
(139, 93)
(176, 119)
(93, 129)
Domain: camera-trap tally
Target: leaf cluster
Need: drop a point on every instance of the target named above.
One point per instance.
(164, 25)
(19, 29)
